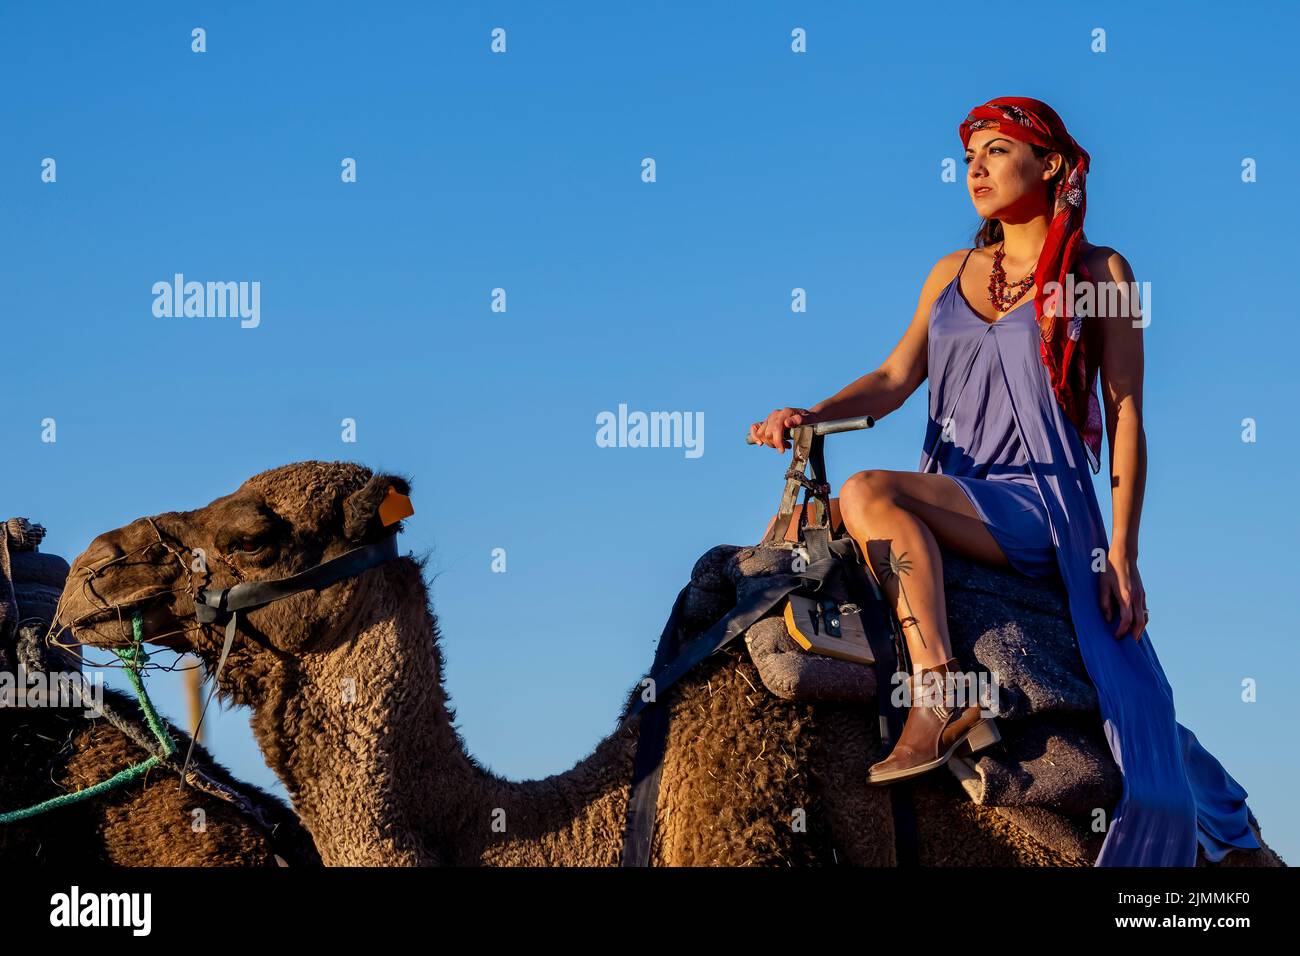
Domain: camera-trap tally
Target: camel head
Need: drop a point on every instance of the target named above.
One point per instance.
(277, 523)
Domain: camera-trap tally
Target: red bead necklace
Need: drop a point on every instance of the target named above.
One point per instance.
(1002, 294)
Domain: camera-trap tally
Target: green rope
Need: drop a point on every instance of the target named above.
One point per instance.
(126, 776)
(133, 658)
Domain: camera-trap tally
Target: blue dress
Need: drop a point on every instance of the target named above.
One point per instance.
(996, 429)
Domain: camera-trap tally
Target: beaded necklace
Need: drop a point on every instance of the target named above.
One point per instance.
(1002, 294)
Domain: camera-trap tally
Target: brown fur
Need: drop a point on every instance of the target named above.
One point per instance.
(385, 779)
(149, 821)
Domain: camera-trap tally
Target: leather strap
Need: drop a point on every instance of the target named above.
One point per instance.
(801, 439)
(223, 606)
(670, 663)
(647, 766)
(738, 620)
(890, 658)
(215, 607)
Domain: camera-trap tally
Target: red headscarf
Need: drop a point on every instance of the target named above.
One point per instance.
(1071, 352)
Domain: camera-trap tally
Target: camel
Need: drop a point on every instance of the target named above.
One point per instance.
(151, 823)
(351, 712)
(52, 751)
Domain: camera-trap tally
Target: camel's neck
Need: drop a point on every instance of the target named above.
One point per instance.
(362, 737)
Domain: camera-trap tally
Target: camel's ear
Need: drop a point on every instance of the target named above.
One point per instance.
(376, 508)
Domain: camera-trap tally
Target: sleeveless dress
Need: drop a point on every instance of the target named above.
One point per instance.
(998, 432)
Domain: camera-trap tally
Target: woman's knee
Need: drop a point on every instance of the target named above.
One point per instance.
(869, 490)
(867, 498)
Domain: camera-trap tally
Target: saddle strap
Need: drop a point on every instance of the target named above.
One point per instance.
(890, 657)
(737, 621)
(671, 662)
(647, 766)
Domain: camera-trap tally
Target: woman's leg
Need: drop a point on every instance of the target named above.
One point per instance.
(899, 519)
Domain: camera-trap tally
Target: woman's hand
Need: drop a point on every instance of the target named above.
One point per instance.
(1123, 599)
(771, 431)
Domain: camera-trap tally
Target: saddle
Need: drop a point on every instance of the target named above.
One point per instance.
(828, 600)
(822, 584)
(817, 628)
(1053, 752)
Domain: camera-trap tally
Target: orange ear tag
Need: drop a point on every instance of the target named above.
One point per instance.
(395, 507)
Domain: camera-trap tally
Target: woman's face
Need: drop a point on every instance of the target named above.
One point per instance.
(1005, 178)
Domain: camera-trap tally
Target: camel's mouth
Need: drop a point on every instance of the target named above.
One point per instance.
(111, 624)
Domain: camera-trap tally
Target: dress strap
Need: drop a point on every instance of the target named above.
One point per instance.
(964, 261)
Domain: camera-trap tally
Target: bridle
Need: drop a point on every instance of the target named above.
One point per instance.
(211, 606)
(98, 604)
(223, 605)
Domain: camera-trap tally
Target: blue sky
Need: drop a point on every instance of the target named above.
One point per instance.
(522, 171)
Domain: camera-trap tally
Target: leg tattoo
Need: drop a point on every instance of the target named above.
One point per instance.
(897, 566)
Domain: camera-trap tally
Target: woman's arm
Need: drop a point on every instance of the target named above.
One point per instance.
(1121, 385)
(880, 392)
(1121, 388)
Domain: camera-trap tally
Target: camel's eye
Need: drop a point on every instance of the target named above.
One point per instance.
(251, 537)
(249, 545)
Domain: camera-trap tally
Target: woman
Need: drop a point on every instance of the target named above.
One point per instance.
(1014, 415)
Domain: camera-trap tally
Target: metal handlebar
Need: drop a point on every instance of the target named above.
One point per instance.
(828, 428)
